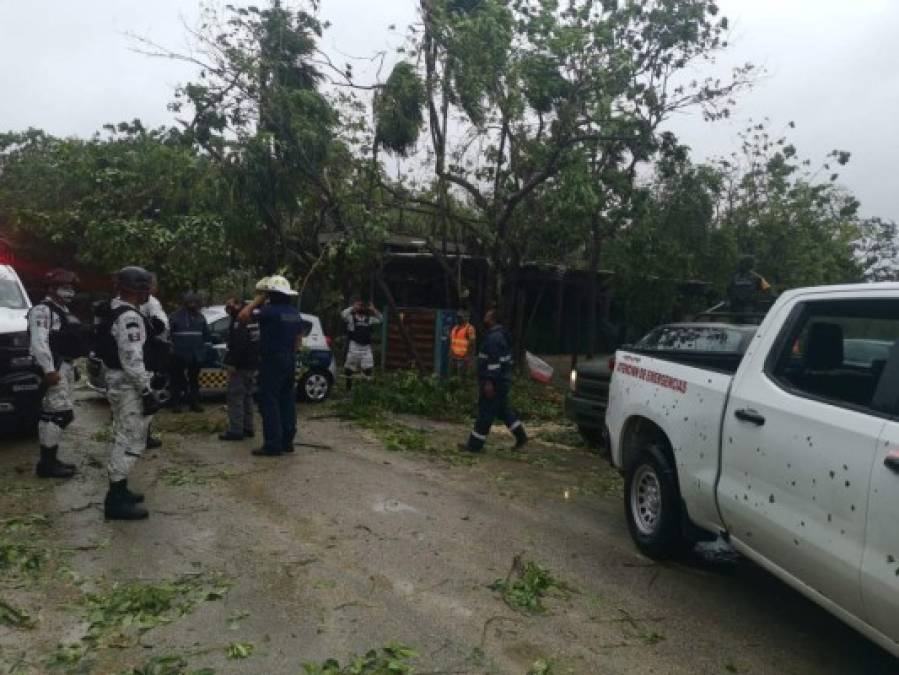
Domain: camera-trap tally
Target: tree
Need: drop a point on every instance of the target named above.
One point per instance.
(131, 196)
(878, 250)
(514, 87)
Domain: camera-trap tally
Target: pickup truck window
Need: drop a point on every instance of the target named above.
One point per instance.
(688, 338)
(11, 295)
(837, 351)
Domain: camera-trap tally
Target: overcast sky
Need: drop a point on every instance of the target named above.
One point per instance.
(832, 67)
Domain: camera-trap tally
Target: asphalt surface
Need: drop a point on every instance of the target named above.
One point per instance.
(349, 547)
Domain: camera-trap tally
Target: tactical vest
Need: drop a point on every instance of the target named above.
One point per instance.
(71, 341)
(156, 350)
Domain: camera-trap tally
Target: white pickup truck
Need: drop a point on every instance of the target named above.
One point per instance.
(791, 452)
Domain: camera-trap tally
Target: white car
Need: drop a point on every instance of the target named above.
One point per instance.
(789, 451)
(316, 367)
(19, 383)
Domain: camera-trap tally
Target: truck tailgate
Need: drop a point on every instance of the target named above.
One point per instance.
(687, 404)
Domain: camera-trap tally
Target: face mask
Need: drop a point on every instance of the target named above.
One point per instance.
(65, 294)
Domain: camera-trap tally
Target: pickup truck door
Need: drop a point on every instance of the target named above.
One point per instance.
(799, 439)
(880, 566)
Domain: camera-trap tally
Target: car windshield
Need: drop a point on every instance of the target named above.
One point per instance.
(719, 339)
(11, 296)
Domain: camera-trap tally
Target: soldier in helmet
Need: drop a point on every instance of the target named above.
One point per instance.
(56, 339)
(746, 287)
(123, 340)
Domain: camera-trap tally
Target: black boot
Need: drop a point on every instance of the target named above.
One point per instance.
(50, 467)
(118, 505)
(521, 438)
(153, 443)
(135, 497)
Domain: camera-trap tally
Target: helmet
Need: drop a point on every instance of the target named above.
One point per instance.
(134, 279)
(262, 284)
(60, 277)
(278, 284)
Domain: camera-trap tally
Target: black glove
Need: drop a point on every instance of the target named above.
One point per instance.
(152, 402)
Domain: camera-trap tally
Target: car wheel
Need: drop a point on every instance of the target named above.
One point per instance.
(652, 503)
(315, 386)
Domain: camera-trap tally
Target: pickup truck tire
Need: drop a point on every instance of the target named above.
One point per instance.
(652, 504)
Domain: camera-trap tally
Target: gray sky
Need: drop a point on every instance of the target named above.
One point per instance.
(831, 67)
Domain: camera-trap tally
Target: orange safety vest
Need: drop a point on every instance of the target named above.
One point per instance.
(459, 340)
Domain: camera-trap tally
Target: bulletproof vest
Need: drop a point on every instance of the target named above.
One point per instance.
(156, 350)
(743, 288)
(72, 340)
(361, 333)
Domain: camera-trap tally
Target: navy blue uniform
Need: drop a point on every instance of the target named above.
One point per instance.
(280, 327)
(189, 334)
(495, 365)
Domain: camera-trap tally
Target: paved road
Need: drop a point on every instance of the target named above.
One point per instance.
(335, 551)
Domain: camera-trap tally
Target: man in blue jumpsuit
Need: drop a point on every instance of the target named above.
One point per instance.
(281, 328)
(494, 384)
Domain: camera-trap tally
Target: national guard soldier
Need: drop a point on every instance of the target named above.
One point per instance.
(747, 287)
(159, 320)
(125, 346)
(494, 383)
(56, 339)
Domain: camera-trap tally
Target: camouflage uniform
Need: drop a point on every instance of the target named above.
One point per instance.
(124, 390)
(57, 410)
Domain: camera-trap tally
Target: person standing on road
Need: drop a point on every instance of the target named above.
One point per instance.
(281, 328)
(494, 384)
(56, 339)
(123, 346)
(190, 333)
(152, 309)
(463, 339)
(241, 362)
(360, 321)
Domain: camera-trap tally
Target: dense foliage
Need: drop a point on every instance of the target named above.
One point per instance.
(527, 123)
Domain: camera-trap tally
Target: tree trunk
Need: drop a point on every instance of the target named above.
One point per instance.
(404, 332)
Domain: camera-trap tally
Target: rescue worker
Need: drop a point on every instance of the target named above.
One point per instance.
(359, 320)
(56, 339)
(463, 338)
(123, 341)
(189, 334)
(152, 309)
(494, 384)
(241, 362)
(281, 328)
(746, 287)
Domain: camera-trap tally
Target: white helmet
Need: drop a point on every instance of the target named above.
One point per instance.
(278, 284)
(262, 285)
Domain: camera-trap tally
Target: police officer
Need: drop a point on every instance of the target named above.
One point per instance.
(123, 348)
(189, 333)
(360, 320)
(494, 383)
(281, 328)
(241, 362)
(56, 339)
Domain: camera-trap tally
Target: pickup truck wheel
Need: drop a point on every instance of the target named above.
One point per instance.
(653, 505)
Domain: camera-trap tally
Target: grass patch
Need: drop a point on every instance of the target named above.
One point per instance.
(176, 477)
(240, 650)
(527, 585)
(450, 400)
(567, 437)
(212, 422)
(541, 667)
(390, 660)
(20, 554)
